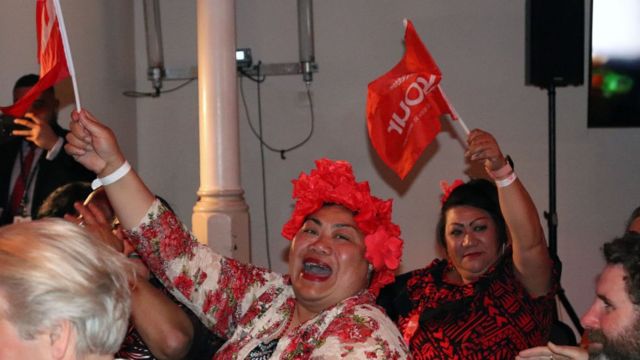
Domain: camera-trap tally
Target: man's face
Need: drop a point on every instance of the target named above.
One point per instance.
(44, 107)
(613, 321)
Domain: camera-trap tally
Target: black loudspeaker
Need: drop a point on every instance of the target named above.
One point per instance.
(554, 42)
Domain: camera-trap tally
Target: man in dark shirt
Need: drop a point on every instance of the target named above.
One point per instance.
(33, 162)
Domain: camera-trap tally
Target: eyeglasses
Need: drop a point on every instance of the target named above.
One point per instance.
(99, 199)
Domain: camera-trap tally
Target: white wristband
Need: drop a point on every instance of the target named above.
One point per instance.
(113, 177)
(500, 173)
(506, 181)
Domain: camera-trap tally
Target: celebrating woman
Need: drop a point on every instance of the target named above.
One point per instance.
(344, 249)
(493, 295)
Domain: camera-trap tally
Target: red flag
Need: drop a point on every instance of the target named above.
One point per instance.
(404, 106)
(53, 64)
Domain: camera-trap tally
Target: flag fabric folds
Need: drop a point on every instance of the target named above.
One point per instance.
(404, 106)
(53, 64)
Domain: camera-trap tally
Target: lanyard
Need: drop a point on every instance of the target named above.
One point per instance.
(30, 175)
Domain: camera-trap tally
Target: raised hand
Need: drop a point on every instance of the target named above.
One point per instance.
(38, 131)
(95, 221)
(93, 144)
(484, 147)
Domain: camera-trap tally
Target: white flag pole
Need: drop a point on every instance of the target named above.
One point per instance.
(463, 125)
(449, 117)
(67, 52)
(454, 116)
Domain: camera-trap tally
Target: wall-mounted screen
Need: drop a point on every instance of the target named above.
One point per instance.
(614, 94)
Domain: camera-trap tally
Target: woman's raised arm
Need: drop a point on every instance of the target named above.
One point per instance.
(531, 258)
(95, 146)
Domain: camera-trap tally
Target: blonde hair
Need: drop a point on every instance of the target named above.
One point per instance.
(52, 270)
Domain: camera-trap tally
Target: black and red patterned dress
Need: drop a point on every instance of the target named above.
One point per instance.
(492, 318)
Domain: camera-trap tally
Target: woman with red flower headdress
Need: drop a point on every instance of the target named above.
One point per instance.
(493, 294)
(344, 249)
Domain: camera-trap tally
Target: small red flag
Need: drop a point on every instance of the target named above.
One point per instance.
(404, 106)
(53, 64)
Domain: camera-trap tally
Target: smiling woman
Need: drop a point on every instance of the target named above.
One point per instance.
(326, 259)
(493, 295)
(345, 248)
(323, 307)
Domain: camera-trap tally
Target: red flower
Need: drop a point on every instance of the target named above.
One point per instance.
(183, 283)
(333, 182)
(448, 189)
(202, 277)
(383, 251)
(209, 302)
(147, 233)
(172, 245)
(352, 329)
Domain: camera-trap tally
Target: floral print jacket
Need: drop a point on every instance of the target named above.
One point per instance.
(248, 305)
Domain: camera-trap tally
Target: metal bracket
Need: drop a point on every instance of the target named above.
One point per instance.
(265, 69)
(280, 69)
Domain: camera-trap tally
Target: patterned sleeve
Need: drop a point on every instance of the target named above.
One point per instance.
(365, 334)
(217, 289)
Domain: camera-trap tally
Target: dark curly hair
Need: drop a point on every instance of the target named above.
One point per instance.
(61, 200)
(478, 193)
(626, 252)
(30, 80)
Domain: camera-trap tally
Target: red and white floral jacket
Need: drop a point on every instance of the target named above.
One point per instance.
(248, 305)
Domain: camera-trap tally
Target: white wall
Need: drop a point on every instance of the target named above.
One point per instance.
(480, 49)
(168, 125)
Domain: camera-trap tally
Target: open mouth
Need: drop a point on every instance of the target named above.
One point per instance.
(315, 270)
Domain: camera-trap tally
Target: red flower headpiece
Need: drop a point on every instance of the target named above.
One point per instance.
(448, 189)
(333, 182)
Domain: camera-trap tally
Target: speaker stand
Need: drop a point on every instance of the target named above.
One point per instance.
(551, 215)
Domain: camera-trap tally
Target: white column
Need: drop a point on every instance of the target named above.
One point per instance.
(221, 216)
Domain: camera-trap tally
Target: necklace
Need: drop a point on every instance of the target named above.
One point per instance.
(288, 324)
(264, 350)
